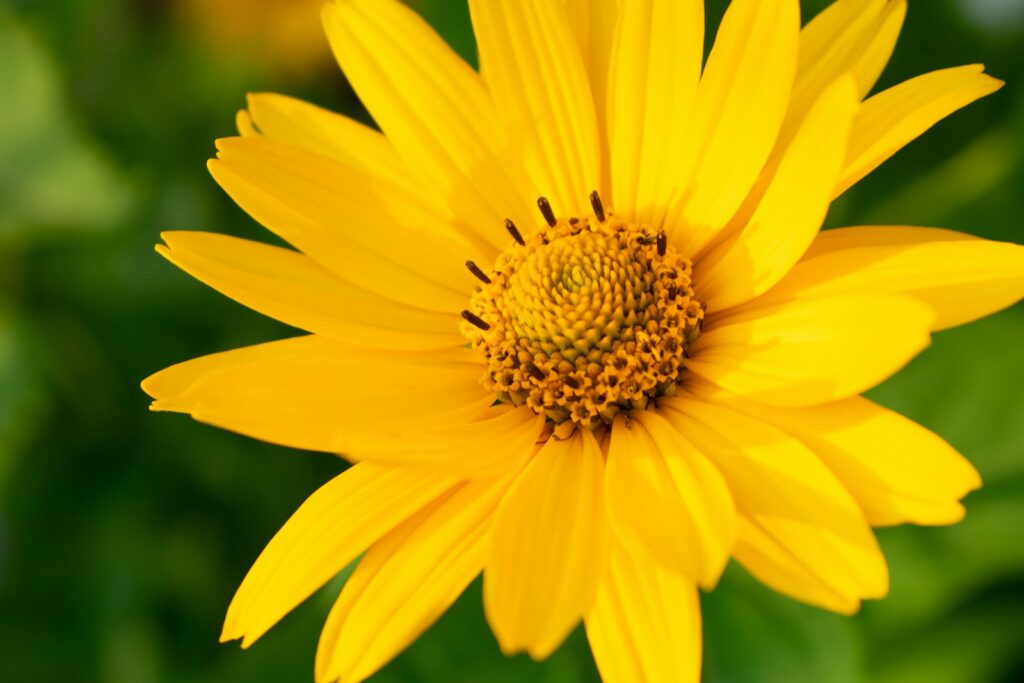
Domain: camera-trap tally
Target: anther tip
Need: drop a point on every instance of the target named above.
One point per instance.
(475, 320)
(514, 231)
(545, 209)
(597, 205)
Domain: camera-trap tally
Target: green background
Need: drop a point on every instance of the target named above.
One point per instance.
(124, 533)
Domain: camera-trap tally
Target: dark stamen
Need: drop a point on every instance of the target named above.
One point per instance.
(572, 382)
(481, 275)
(514, 231)
(595, 202)
(545, 209)
(473, 319)
(662, 243)
(536, 372)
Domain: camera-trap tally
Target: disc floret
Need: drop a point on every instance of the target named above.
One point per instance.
(586, 319)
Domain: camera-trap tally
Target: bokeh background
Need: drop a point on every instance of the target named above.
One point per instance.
(123, 533)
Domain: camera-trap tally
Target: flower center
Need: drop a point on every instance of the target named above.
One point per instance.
(584, 320)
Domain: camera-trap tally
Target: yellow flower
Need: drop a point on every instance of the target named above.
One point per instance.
(599, 402)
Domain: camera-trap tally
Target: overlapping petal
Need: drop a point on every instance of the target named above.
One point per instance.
(960, 277)
(536, 74)
(316, 393)
(645, 623)
(328, 531)
(549, 535)
(435, 110)
(811, 350)
(800, 531)
(406, 581)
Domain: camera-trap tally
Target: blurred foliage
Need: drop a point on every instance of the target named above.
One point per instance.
(123, 535)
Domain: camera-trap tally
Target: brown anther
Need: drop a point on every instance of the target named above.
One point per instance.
(595, 203)
(480, 275)
(475, 320)
(662, 243)
(514, 231)
(535, 372)
(572, 382)
(545, 209)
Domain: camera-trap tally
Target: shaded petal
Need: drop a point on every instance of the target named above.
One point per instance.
(664, 499)
(294, 289)
(741, 102)
(435, 110)
(406, 581)
(892, 119)
(655, 69)
(961, 277)
(328, 531)
(549, 535)
(811, 351)
(896, 470)
(313, 392)
(537, 75)
(372, 234)
(645, 623)
(800, 531)
(791, 212)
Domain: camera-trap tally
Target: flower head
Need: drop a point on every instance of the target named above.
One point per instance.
(574, 320)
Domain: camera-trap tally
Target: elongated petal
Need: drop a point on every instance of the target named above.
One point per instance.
(549, 535)
(536, 72)
(435, 111)
(373, 234)
(328, 531)
(741, 102)
(960, 277)
(854, 37)
(896, 470)
(645, 623)
(593, 22)
(294, 289)
(892, 119)
(811, 351)
(655, 68)
(800, 531)
(295, 122)
(664, 499)
(314, 393)
(406, 581)
(791, 212)
(498, 442)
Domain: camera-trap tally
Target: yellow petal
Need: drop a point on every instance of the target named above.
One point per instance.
(435, 110)
(960, 277)
(896, 470)
(537, 75)
(665, 500)
(800, 531)
(406, 581)
(294, 122)
(593, 22)
(811, 351)
(244, 124)
(294, 289)
(328, 531)
(741, 102)
(655, 68)
(854, 37)
(372, 234)
(645, 623)
(313, 392)
(496, 443)
(549, 535)
(791, 212)
(892, 119)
